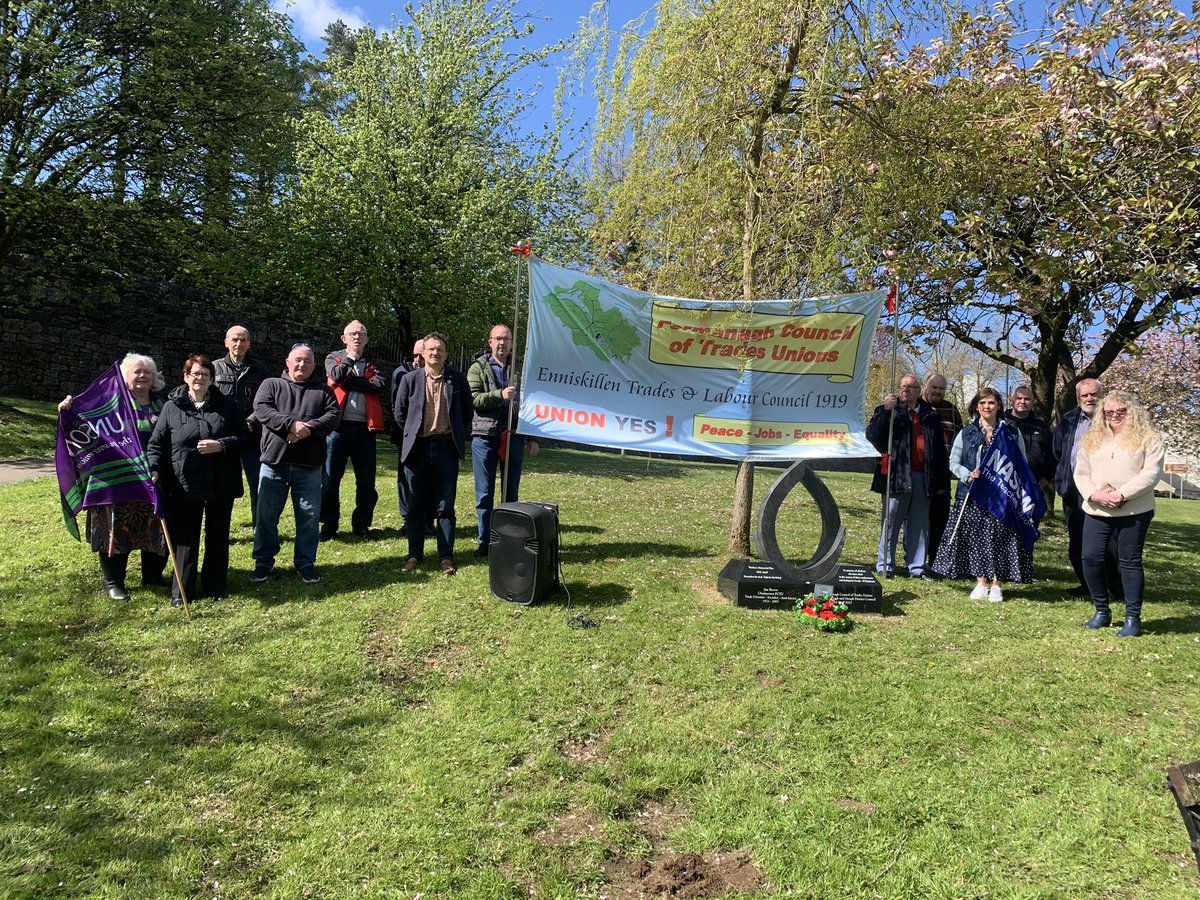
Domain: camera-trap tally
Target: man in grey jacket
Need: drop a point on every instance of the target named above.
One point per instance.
(297, 411)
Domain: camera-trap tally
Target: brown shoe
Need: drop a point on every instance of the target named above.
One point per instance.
(410, 565)
(448, 567)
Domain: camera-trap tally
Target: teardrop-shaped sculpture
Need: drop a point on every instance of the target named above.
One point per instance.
(824, 562)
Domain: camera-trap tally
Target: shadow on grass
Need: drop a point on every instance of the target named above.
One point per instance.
(629, 550)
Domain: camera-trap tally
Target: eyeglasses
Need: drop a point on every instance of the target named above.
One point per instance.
(201, 374)
(1115, 413)
(356, 334)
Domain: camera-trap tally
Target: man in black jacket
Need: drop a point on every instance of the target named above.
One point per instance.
(919, 468)
(1071, 427)
(432, 407)
(239, 376)
(297, 411)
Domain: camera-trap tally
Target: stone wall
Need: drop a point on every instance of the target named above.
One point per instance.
(59, 330)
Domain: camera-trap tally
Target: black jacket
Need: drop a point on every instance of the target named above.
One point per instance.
(183, 471)
(279, 403)
(1064, 442)
(240, 386)
(1039, 448)
(937, 460)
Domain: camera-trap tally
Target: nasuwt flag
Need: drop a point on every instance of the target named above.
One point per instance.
(613, 367)
(1007, 489)
(99, 457)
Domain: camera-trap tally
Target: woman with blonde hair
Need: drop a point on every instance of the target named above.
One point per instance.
(1120, 462)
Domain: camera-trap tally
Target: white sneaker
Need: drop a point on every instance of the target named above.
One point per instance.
(979, 591)
(995, 595)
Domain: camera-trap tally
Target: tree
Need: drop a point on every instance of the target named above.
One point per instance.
(1048, 182)
(704, 147)
(1163, 371)
(415, 176)
(181, 105)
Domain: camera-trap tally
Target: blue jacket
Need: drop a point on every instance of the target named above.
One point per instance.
(967, 451)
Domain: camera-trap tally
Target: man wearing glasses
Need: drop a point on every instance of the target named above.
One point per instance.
(494, 439)
(358, 385)
(297, 412)
(432, 407)
(1071, 428)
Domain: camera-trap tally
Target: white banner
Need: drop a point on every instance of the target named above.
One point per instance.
(613, 367)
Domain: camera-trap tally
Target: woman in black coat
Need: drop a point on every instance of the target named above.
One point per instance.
(194, 455)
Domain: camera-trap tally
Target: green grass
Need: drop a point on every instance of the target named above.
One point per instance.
(27, 428)
(383, 736)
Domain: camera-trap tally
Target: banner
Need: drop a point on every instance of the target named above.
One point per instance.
(1007, 489)
(99, 457)
(613, 367)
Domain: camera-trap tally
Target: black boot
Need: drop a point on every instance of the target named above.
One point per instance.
(1102, 618)
(1132, 627)
(113, 569)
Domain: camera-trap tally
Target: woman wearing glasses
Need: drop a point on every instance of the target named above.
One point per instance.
(1120, 462)
(195, 457)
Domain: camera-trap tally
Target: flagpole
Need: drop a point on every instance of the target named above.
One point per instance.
(520, 251)
(893, 308)
(175, 567)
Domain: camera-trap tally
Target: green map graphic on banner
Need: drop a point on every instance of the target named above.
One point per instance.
(604, 331)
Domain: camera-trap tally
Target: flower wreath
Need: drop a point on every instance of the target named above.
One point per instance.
(824, 613)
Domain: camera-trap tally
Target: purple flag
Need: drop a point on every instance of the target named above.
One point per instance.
(99, 457)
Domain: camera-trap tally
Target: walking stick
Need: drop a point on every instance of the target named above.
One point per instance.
(885, 538)
(175, 567)
(520, 251)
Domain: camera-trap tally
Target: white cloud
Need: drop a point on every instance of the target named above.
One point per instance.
(312, 16)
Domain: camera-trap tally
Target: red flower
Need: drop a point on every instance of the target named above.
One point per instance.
(826, 614)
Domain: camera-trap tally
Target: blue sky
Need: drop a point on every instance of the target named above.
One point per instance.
(555, 20)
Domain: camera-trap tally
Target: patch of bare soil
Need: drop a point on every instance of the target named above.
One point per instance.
(684, 875)
(571, 827)
(587, 752)
(855, 805)
(403, 672)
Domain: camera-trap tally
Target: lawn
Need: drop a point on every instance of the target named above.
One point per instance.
(378, 735)
(26, 428)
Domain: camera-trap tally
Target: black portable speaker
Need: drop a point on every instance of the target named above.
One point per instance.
(523, 555)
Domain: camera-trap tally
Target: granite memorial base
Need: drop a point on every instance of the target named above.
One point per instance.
(756, 584)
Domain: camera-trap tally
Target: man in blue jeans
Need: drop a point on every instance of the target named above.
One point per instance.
(432, 407)
(297, 411)
(495, 400)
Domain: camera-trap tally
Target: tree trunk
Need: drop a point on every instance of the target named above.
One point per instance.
(743, 501)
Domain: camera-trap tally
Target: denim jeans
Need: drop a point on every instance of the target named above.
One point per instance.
(273, 485)
(355, 442)
(909, 510)
(251, 465)
(485, 460)
(1126, 535)
(431, 471)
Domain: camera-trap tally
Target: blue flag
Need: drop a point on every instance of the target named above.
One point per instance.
(1006, 487)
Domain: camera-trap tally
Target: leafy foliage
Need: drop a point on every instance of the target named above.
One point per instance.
(1043, 179)
(415, 177)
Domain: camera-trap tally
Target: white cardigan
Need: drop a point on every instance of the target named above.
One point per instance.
(1134, 475)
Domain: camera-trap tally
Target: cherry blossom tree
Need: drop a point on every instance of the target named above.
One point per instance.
(1047, 179)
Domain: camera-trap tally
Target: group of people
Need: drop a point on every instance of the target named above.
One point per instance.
(1104, 459)
(294, 435)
